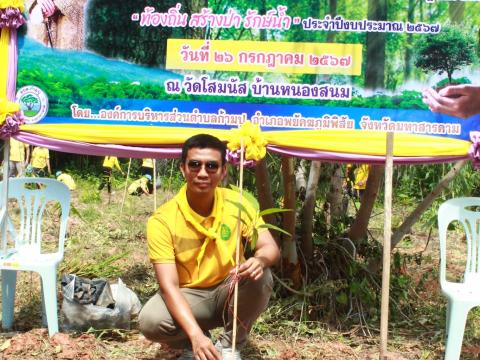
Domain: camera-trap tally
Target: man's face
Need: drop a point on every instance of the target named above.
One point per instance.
(203, 170)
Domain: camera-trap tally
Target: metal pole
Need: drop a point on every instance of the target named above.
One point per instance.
(387, 237)
(4, 204)
(154, 184)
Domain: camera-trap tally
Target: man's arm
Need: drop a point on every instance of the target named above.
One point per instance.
(181, 312)
(48, 166)
(266, 255)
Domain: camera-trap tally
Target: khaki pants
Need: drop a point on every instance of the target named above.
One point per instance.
(209, 308)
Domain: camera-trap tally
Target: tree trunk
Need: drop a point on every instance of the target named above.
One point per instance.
(333, 13)
(289, 253)
(195, 6)
(425, 204)
(335, 195)
(309, 209)
(360, 225)
(375, 71)
(300, 179)
(264, 191)
(409, 45)
(456, 11)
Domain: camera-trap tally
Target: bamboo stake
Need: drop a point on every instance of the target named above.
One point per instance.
(126, 184)
(154, 184)
(387, 237)
(237, 253)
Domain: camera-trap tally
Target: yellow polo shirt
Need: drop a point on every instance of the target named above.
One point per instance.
(111, 162)
(139, 184)
(361, 176)
(40, 157)
(67, 180)
(148, 163)
(173, 240)
(17, 150)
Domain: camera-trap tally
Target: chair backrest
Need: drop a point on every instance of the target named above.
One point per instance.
(32, 196)
(461, 210)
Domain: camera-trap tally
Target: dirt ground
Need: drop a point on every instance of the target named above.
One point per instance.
(99, 230)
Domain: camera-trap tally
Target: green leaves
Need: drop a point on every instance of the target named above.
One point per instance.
(254, 218)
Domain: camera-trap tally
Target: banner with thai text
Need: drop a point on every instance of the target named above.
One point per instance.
(401, 66)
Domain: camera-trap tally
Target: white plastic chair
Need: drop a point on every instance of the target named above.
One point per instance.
(25, 248)
(461, 296)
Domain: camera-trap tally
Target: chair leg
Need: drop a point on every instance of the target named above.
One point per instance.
(457, 318)
(49, 299)
(9, 284)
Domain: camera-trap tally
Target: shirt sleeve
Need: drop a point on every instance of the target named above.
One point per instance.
(160, 242)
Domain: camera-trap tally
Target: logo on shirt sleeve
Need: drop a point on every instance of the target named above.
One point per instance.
(225, 232)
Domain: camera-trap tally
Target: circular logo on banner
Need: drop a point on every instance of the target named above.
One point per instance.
(225, 232)
(33, 102)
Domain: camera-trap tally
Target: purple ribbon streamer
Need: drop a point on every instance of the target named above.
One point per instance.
(233, 157)
(356, 158)
(11, 18)
(11, 125)
(474, 151)
(175, 151)
(100, 149)
(12, 66)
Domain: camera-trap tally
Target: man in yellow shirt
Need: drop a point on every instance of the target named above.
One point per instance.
(361, 177)
(66, 179)
(147, 169)
(19, 154)
(40, 161)
(140, 186)
(109, 163)
(192, 244)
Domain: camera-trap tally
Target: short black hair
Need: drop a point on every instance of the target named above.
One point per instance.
(203, 141)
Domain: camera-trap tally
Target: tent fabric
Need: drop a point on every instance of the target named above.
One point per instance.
(153, 141)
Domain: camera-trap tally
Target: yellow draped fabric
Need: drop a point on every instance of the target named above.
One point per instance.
(7, 107)
(4, 40)
(12, 4)
(346, 141)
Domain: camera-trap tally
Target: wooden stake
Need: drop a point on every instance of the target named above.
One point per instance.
(126, 185)
(387, 237)
(237, 252)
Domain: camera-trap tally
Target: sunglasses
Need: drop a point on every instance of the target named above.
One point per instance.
(211, 167)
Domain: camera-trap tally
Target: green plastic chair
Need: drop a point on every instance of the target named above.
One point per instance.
(461, 296)
(25, 243)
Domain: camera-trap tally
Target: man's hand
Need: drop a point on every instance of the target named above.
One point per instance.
(252, 268)
(461, 101)
(204, 349)
(48, 7)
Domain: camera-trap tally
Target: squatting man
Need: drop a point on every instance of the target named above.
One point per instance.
(191, 244)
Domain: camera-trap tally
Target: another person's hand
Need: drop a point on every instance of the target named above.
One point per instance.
(204, 349)
(48, 7)
(252, 268)
(461, 101)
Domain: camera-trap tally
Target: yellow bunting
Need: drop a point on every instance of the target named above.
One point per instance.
(4, 41)
(6, 108)
(4, 4)
(253, 141)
